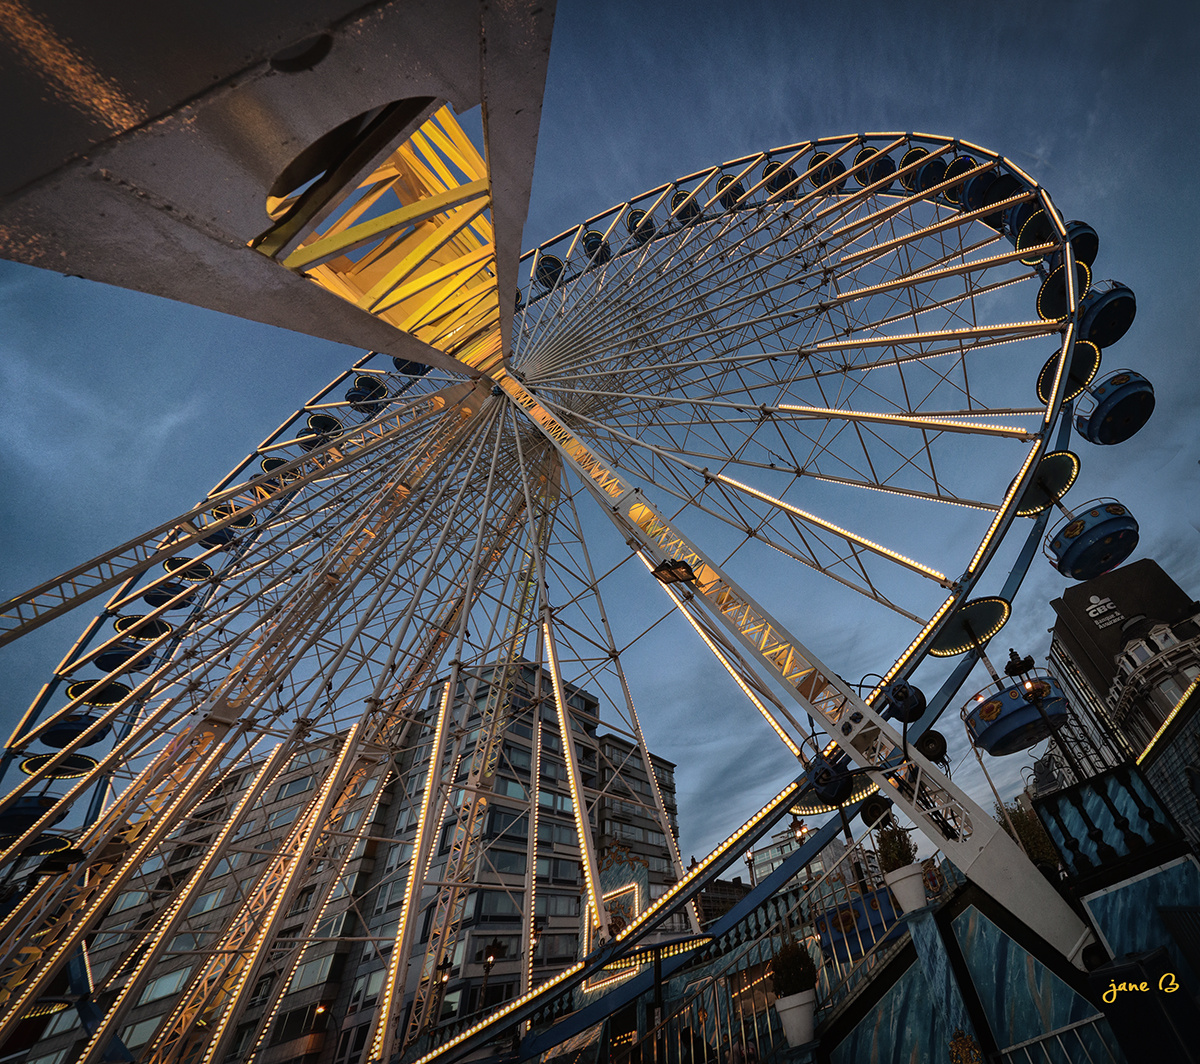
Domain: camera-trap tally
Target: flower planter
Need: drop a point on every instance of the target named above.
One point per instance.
(908, 886)
(796, 1014)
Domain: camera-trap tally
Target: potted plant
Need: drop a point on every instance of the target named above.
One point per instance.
(794, 978)
(901, 870)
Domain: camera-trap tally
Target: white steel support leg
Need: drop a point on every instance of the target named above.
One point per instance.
(965, 833)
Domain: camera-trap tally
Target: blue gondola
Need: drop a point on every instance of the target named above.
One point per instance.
(929, 174)
(856, 927)
(67, 729)
(639, 226)
(975, 188)
(1085, 362)
(322, 429)
(1005, 722)
(163, 593)
(117, 658)
(824, 169)
(366, 394)
(140, 629)
(908, 180)
(410, 368)
(779, 177)
(1053, 303)
(1107, 313)
(1084, 240)
(1092, 540)
(71, 767)
(959, 166)
(1035, 230)
(685, 210)
(26, 811)
(879, 169)
(106, 694)
(596, 247)
(549, 271)
(1004, 187)
(186, 569)
(730, 190)
(1115, 407)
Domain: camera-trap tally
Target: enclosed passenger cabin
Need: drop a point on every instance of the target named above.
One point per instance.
(1115, 407)
(1007, 721)
(596, 247)
(367, 394)
(548, 271)
(730, 190)
(1092, 540)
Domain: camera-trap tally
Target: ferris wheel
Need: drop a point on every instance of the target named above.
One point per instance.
(816, 378)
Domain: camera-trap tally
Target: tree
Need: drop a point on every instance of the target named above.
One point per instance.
(1030, 833)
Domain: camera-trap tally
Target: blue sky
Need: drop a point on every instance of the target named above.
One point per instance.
(121, 409)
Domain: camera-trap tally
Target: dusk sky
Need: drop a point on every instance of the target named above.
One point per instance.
(121, 409)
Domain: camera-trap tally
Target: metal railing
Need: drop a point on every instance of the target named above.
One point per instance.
(847, 919)
(1081, 1042)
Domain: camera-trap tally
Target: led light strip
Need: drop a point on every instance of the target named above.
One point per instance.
(724, 660)
(590, 875)
(733, 840)
(387, 996)
(1167, 723)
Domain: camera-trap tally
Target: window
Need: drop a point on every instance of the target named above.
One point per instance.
(67, 1020)
(509, 789)
(164, 986)
(506, 861)
(558, 870)
(282, 816)
(186, 942)
(335, 926)
(128, 900)
(1164, 637)
(262, 991)
(351, 820)
(1171, 691)
(351, 1044)
(1139, 652)
(557, 905)
(206, 902)
(49, 1058)
(397, 854)
(344, 886)
(138, 1034)
(495, 905)
(299, 1022)
(553, 832)
(243, 1039)
(510, 946)
(305, 783)
(311, 973)
(559, 803)
(510, 825)
(557, 948)
(303, 902)
(112, 933)
(365, 991)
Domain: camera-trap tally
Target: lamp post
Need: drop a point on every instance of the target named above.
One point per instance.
(494, 950)
(750, 866)
(443, 970)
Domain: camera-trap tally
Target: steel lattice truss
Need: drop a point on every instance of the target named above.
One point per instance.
(814, 375)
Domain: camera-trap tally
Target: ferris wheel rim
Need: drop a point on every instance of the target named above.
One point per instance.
(671, 198)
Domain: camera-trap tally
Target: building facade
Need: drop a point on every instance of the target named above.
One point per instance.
(1126, 650)
(522, 887)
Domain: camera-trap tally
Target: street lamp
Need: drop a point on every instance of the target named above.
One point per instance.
(443, 970)
(750, 866)
(494, 949)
